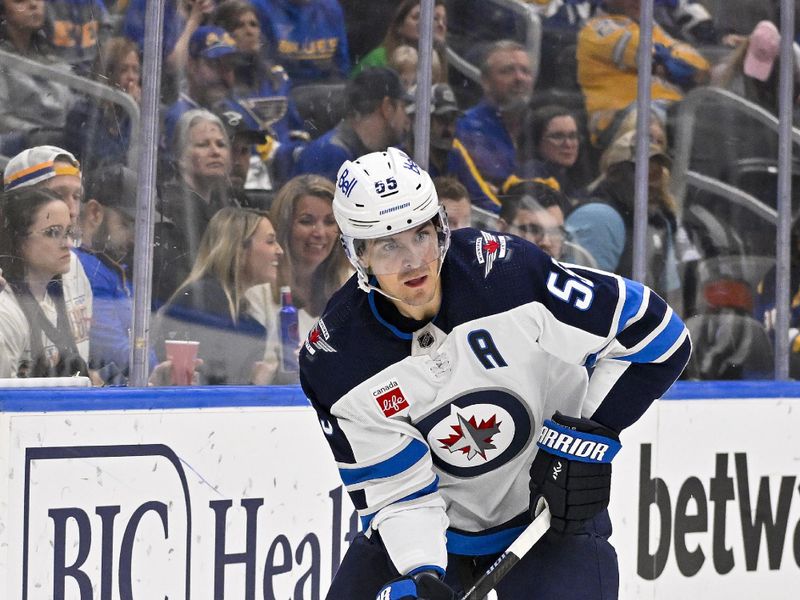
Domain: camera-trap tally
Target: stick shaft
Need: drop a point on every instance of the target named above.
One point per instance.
(518, 549)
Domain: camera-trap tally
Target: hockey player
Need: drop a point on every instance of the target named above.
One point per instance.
(475, 378)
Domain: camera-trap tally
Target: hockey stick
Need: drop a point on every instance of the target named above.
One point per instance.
(513, 554)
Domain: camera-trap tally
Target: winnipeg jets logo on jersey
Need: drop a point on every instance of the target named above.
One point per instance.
(472, 438)
(318, 339)
(489, 248)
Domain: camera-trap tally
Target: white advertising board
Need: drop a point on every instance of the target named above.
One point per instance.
(204, 503)
(245, 503)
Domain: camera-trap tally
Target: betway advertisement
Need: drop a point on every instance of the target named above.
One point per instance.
(245, 503)
(706, 503)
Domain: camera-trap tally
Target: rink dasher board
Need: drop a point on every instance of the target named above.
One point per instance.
(232, 491)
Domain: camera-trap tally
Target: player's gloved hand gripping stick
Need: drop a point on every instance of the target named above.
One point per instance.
(572, 470)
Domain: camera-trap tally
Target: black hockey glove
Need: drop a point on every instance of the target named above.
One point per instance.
(424, 585)
(572, 470)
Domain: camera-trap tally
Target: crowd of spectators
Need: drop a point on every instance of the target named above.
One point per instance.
(542, 147)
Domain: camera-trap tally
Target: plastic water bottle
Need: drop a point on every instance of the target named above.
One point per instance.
(290, 335)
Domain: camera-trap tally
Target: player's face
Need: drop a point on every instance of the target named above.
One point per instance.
(24, 15)
(509, 81)
(69, 189)
(45, 250)
(314, 231)
(247, 33)
(560, 141)
(406, 266)
(262, 255)
(208, 155)
(459, 212)
(545, 228)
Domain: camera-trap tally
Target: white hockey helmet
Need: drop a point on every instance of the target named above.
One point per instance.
(381, 194)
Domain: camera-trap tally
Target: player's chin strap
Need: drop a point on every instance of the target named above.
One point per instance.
(367, 285)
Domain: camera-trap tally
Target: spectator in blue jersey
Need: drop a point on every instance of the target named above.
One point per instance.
(376, 118)
(76, 29)
(33, 109)
(181, 20)
(239, 250)
(307, 37)
(107, 223)
(552, 147)
(209, 76)
(455, 378)
(99, 131)
(487, 137)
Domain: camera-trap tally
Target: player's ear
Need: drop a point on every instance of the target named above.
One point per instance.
(501, 224)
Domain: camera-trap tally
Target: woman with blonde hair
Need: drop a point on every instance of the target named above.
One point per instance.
(238, 251)
(314, 265)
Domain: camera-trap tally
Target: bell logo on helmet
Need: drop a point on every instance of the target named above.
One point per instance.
(344, 184)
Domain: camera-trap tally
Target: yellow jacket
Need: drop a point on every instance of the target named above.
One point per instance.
(606, 53)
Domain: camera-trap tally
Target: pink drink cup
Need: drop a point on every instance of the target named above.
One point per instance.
(182, 354)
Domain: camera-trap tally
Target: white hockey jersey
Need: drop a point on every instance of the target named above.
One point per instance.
(433, 425)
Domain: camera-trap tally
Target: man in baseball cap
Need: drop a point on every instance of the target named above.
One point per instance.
(108, 220)
(247, 165)
(209, 75)
(51, 167)
(444, 112)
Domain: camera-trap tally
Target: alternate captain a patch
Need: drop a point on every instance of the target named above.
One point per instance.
(489, 248)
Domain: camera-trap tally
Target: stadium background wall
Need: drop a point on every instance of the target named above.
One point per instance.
(231, 493)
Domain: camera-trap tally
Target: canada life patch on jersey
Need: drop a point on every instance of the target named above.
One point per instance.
(489, 248)
(390, 398)
(318, 339)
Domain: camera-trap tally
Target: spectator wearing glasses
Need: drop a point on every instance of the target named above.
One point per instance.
(55, 169)
(554, 145)
(534, 211)
(37, 337)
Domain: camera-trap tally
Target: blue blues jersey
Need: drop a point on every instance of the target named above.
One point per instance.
(483, 156)
(433, 424)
